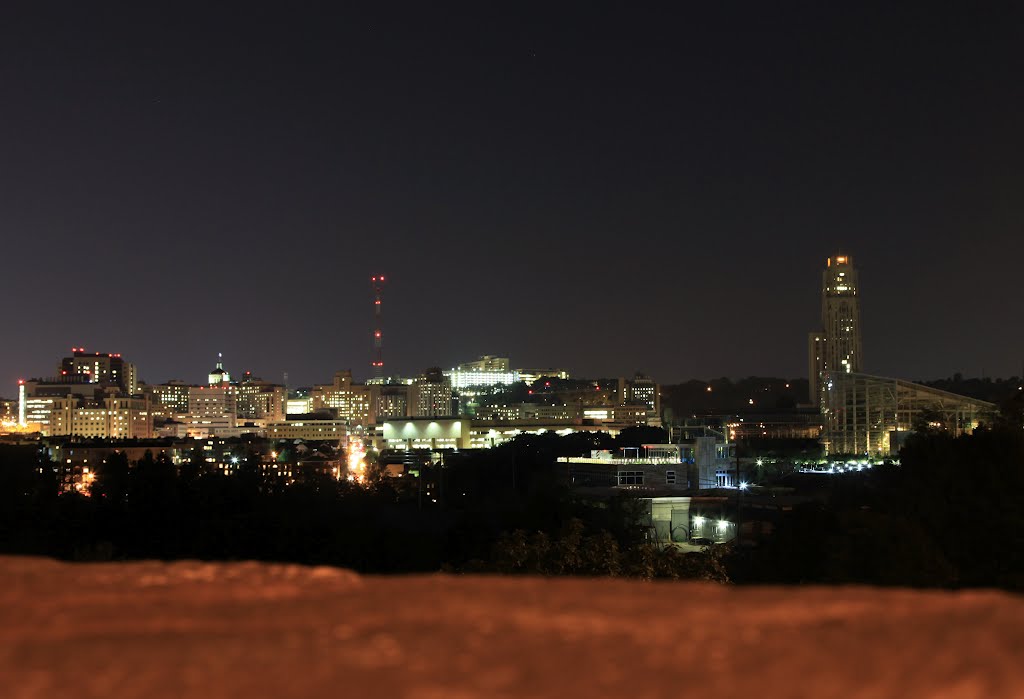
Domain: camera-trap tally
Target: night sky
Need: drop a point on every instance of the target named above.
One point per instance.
(601, 189)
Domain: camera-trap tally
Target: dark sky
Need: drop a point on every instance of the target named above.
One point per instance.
(605, 189)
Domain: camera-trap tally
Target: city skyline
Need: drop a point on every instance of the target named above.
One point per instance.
(601, 191)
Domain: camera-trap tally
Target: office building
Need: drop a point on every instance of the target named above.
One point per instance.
(99, 368)
(168, 399)
(98, 417)
(351, 402)
(643, 390)
(390, 399)
(257, 399)
(431, 395)
(212, 410)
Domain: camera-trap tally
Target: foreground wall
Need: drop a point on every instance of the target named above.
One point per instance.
(250, 630)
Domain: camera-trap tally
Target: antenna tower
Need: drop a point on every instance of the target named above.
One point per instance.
(377, 283)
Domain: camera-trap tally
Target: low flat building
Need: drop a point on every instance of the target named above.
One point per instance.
(438, 433)
(311, 430)
(425, 433)
(700, 464)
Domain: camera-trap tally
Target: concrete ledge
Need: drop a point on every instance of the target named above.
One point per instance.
(193, 629)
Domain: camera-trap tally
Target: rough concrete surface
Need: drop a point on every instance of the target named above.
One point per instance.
(192, 629)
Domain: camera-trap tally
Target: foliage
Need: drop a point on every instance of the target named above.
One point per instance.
(598, 554)
(949, 515)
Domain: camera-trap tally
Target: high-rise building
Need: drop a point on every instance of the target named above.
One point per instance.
(836, 347)
(95, 394)
(643, 390)
(168, 399)
(390, 399)
(214, 407)
(260, 400)
(351, 401)
(431, 395)
(99, 368)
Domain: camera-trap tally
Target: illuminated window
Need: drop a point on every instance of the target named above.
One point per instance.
(630, 477)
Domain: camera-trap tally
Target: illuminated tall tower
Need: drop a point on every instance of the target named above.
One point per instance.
(378, 339)
(22, 421)
(837, 346)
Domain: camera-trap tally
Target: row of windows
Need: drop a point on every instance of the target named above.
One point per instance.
(637, 477)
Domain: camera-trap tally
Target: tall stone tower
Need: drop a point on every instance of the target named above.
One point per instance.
(836, 347)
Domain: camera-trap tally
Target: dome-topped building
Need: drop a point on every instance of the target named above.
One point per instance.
(219, 376)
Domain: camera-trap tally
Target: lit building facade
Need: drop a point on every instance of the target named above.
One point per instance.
(697, 464)
(351, 401)
(463, 433)
(528, 411)
(8, 412)
(308, 430)
(619, 417)
(644, 391)
(169, 399)
(100, 368)
(431, 395)
(299, 406)
(38, 411)
(111, 417)
(488, 362)
(485, 371)
(259, 400)
(869, 415)
(219, 375)
(213, 407)
(836, 347)
(529, 376)
(390, 400)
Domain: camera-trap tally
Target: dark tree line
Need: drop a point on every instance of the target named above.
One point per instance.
(156, 509)
(950, 514)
